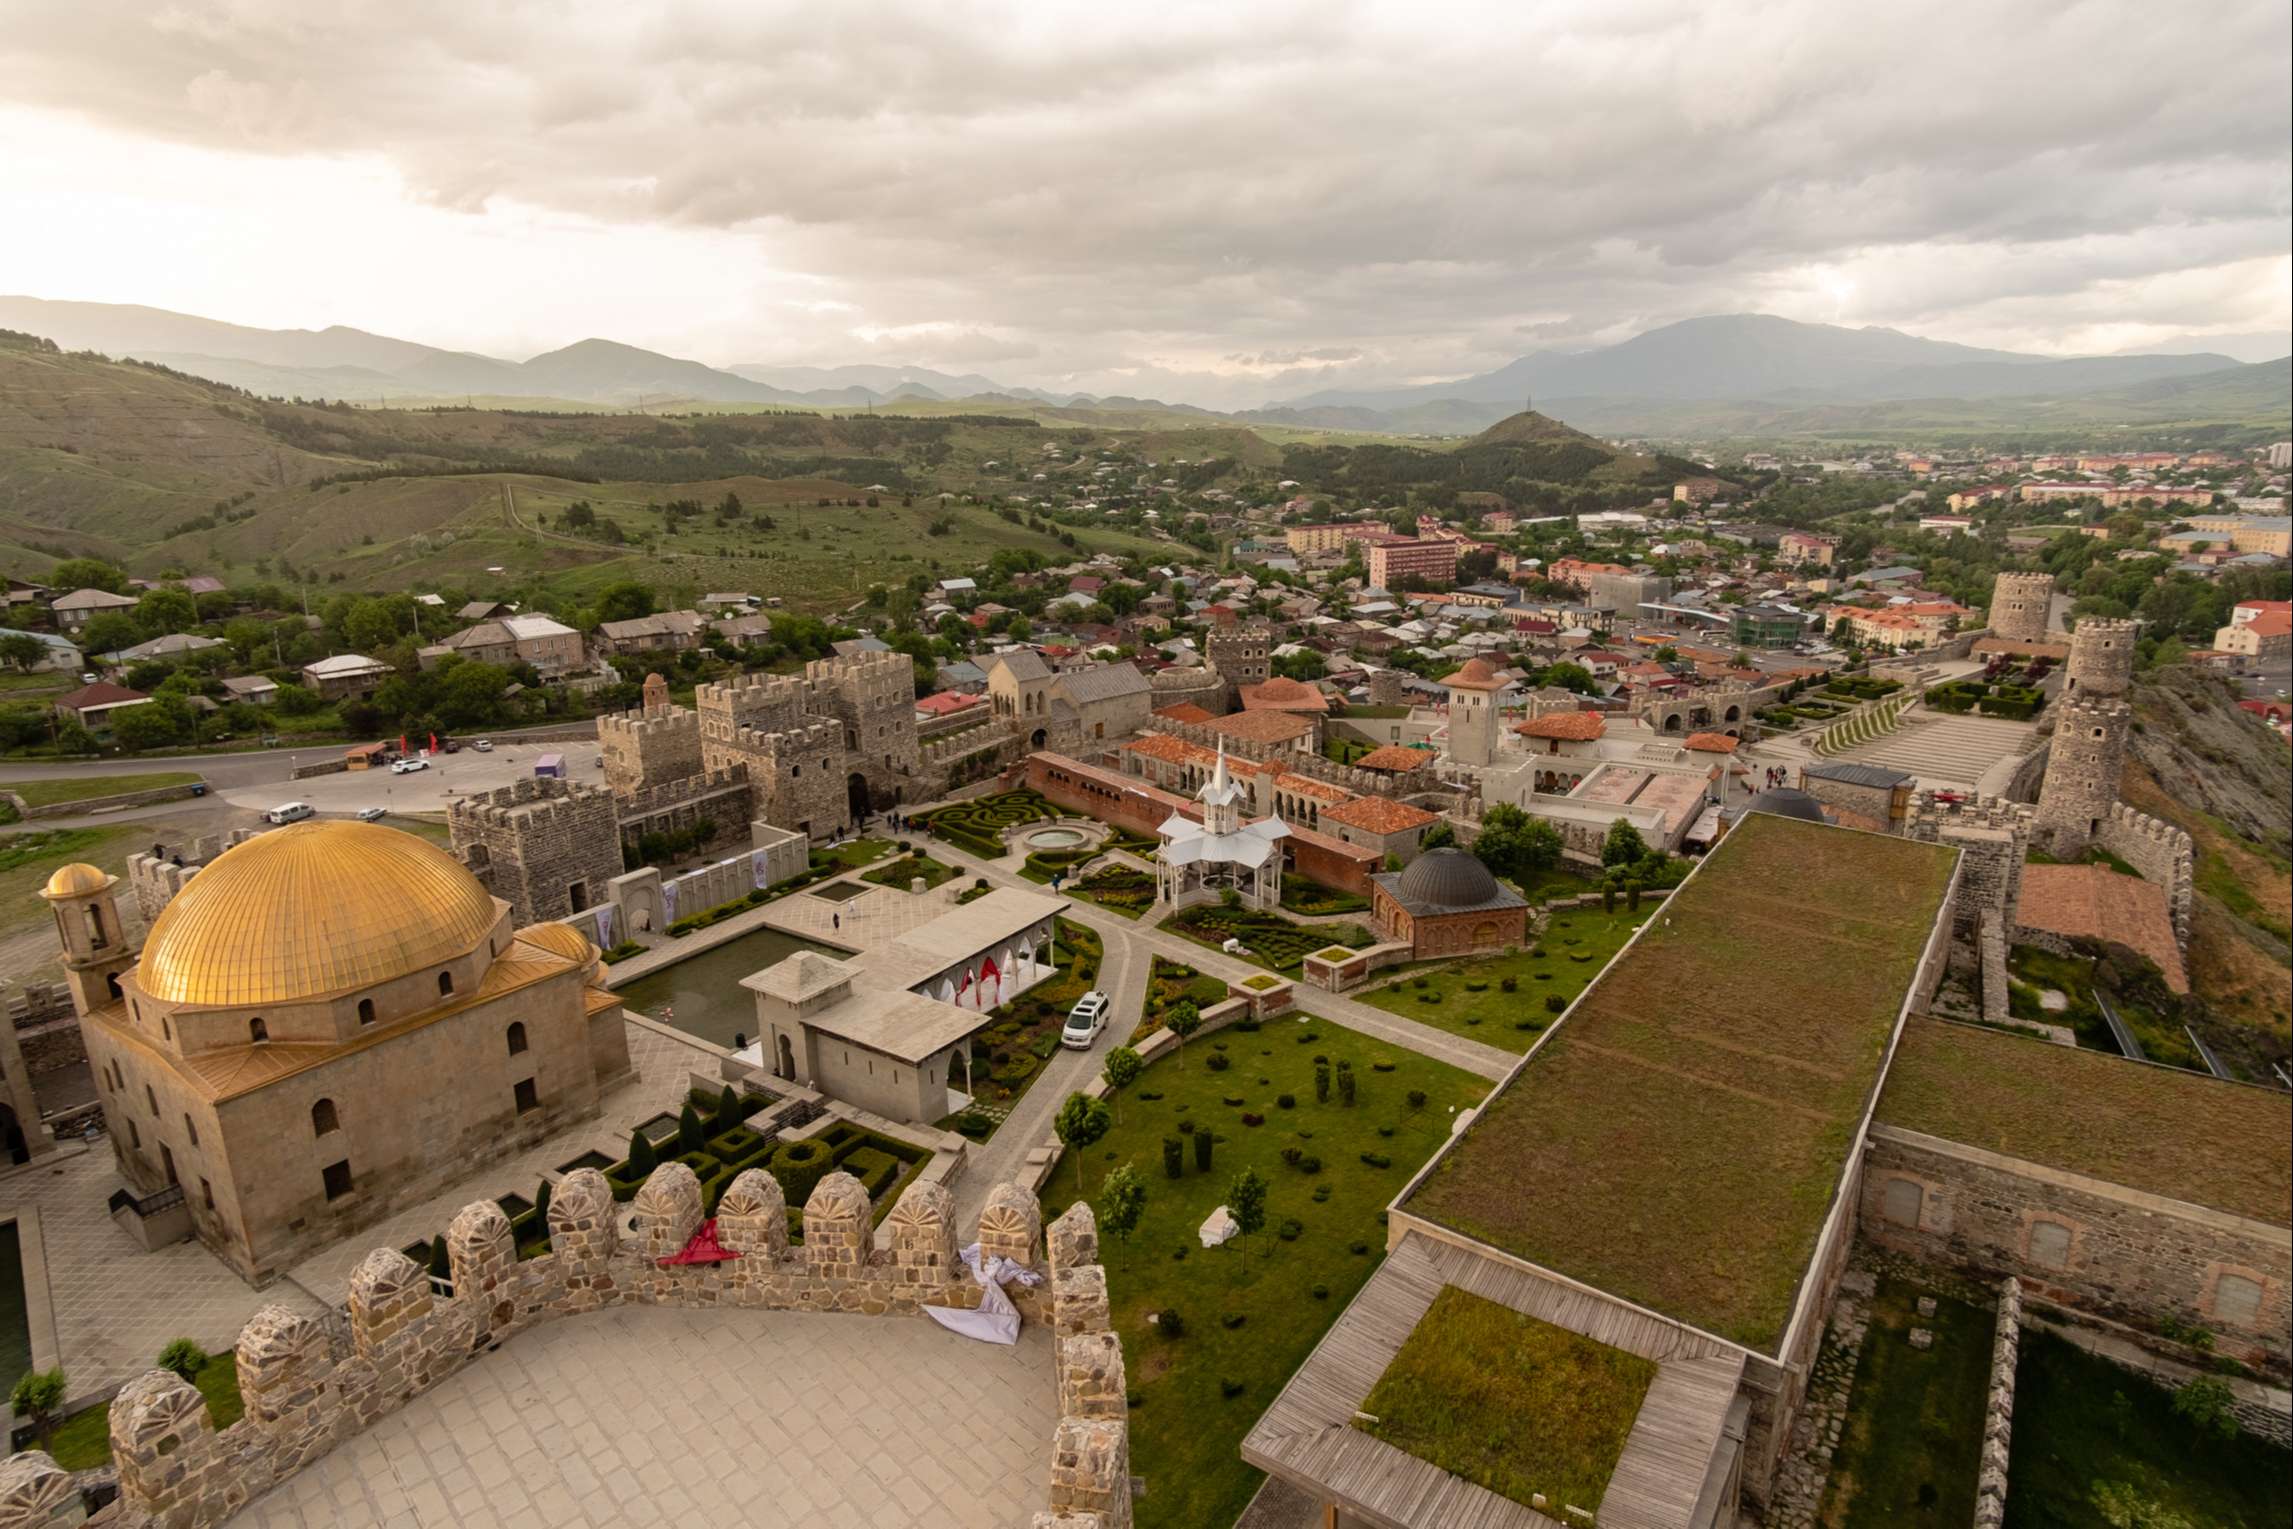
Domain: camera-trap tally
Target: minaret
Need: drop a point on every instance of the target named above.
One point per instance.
(95, 943)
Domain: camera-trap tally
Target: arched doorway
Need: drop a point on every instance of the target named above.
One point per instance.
(959, 1072)
(785, 1064)
(1037, 738)
(856, 797)
(1672, 723)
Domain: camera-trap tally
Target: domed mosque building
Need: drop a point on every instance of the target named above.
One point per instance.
(1445, 903)
(330, 1022)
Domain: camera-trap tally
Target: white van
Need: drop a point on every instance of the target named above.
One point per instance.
(1085, 1021)
(289, 812)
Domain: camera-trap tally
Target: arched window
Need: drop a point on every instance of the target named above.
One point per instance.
(366, 1011)
(445, 984)
(517, 1037)
(257, 1031)
(323, 1118)
(96, 938)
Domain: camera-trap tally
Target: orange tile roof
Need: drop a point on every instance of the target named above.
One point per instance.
(1280, 694)
(2094, 902)
(1576, 726)
(1186, 712)
(1263, 726)
(1160, 746)
(1711, 743)
(1378, 815)
(1305, 785)
(1394, 757)
(1478, 674)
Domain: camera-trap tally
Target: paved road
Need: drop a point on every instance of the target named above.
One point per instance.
(1130, 949)
(255, 767)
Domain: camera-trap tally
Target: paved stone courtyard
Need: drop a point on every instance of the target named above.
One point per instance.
(638, 1416)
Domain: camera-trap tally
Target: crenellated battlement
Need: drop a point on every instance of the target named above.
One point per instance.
(308, 1386)
(2101, 658)
(2162, 854)
(155, 879)
(538, 801)
(2021, 606)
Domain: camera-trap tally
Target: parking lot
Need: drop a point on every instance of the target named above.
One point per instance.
(448, 777)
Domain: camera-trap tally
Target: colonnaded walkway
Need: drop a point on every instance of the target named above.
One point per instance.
(647, 1415)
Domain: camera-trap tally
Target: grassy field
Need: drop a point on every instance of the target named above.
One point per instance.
(1168, 983)
(1512, 1403)
(2031, 970)
(2095, 1444)
(28, 859)
(1273, 941)
(1249, 1318)
(80, 788)
(1913, 1439)
(1753, 1011)
(1468, 998)
(2179, 1134)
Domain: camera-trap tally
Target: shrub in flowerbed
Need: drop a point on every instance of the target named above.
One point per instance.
(1217, 1062)
(1290, 1229)
(800, 1166)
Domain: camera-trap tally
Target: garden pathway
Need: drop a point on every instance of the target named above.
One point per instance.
(1130, 948)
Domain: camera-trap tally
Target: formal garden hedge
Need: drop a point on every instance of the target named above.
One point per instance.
(1272, 940)
(1170, 982)
(1123, 889)
(1860, 687)
(1992, 698)
(1313, 900)
(977, 825)
(898, 873)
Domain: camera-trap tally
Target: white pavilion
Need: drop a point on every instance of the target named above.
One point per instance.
(1201, 860)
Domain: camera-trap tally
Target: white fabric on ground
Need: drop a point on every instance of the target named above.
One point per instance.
(1218, 1229)
(996, 1320)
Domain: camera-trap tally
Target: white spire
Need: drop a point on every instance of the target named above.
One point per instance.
(1218, 778)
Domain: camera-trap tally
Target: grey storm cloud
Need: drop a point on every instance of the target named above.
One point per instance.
(1140, 193)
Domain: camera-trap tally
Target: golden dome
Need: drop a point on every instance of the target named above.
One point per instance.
(561, 940)
(76, 880)
(310, 910)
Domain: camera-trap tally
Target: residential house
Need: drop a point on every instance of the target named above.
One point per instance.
(345, 675)
(662, 632)
(93, 706)
(81, 606)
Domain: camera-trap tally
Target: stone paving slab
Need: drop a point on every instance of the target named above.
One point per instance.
(645, 1416)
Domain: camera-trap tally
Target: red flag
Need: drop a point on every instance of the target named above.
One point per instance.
(433, 743)
(401, 743)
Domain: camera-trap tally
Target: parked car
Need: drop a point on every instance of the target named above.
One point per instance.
(1085, 1020)
(484, 745)
(408, 766)
(289, 812)
(372, 814)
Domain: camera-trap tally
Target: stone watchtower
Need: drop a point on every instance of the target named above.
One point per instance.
(549, 848)
(2101, 658)
(2018, 606)
(2082, 769)
(95, 944)
(1473, 693)
(1242, 655)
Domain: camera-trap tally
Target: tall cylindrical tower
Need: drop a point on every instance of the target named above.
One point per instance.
(2082, 769)
(2101, 657)
(2018, 606)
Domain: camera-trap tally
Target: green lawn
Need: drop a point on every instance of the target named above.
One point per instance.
(83, 1441)
(1313, 899)
(1185, 1432)
(1167, 983)
(28, 859)
(2092, 1440)
(1119, 889)
(80, 788)
(852, 853)
(1913, 1440)
(2030, 969)
(1509, 1402)
(1468, 998)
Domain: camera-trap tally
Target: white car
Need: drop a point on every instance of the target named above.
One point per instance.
(372, 814)
(484, 745)
(408, 766)
(1085, 1021)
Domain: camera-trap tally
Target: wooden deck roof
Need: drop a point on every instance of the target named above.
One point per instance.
(1307, 1436)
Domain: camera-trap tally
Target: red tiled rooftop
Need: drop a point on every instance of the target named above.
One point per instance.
(1186, 712)
(1711, 743)
(1478, 674)
(2094, 902)
(1393, 757)
(1263, 726)
(1378, 815)
(1575, 726)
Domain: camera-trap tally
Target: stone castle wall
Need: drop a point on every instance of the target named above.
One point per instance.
(2101, 658)
(2019, 603)
(2079, 1242)
(156, 878)
(309, 1386)
(547, 847)
(1995, 834)
(1242, 655)
(2161, 852)
(1998, 1408)
(649, 748)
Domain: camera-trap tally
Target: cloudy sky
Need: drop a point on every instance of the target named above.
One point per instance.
(1223, 202)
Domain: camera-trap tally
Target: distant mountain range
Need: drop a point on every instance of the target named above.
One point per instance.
(1726, 373)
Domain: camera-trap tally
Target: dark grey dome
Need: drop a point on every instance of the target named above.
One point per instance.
(1785, 802)
(1447, 878)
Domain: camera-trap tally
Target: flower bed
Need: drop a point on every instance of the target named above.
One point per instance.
(1168, 983)
(902, 871)
(1117, 888)
(1271, 939)
(1313, 899)
(1008, 1053)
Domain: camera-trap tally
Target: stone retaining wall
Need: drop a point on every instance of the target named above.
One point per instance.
(310, 1384)
(1998, 1408)
(2081, 1243)
(102, 803)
